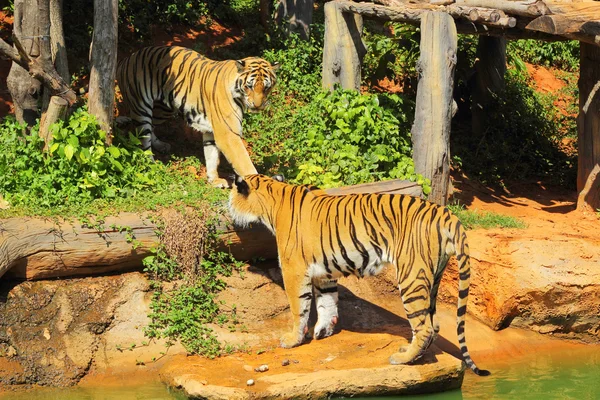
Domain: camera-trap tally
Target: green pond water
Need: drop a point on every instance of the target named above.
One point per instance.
(574, 375)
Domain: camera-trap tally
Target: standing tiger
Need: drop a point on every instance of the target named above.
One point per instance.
(321, 237)
(160, 82)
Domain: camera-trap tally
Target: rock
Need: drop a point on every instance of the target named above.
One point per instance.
(262, 368)
(59, 331)
(445, 373)
(529, 282)
(11, 352)
(285, 363)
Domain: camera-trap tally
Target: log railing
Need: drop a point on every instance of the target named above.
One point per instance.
(35, 248)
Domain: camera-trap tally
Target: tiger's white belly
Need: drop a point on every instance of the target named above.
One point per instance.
(373, 267)
(202, 124)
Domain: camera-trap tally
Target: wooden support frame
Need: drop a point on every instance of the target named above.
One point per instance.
(343, 50)
(435, 105)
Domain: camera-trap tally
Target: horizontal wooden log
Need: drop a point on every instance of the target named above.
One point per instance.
(36, 248)
(486, 24)
(565, 26)
(518, 32)
(523, 8)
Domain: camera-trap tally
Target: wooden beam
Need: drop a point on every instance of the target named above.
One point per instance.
(522, 8)
(434, 104)
(480, 15)
(37, 248)
(343, 49)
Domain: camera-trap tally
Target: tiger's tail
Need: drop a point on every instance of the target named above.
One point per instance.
(464, 275)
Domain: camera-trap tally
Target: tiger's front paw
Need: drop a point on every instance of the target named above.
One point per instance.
(219, 183)
(291, 339)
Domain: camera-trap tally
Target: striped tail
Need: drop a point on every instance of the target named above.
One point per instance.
(464, 275)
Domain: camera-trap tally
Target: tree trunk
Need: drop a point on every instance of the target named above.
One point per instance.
(297, 14)
(57, 39)
(25, 90)
(343, 50)
(490, 68)
(264, 13)
(435, 106)
(588, 121)
(103, 64)
(57, 110)
(589, 198)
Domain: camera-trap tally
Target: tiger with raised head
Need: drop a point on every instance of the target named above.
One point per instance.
(321, 238)
(158, 83)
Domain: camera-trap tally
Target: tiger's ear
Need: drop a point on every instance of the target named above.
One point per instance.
(275, 66)
(240, 64)
(279, 178)
(241, 186)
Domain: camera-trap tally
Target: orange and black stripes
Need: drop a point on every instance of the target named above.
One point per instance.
(158, 83)
(328, 237)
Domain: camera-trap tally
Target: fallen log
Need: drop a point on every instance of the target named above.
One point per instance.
(36, 248)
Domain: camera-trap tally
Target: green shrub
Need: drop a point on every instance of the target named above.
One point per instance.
(79, 167)
(522, 140)
(185, 312)
(393, 52)
(300, 64)
(563, 55)
(339, 138)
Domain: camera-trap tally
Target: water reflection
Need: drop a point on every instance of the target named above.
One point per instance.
(570, 376)
(566, 376)
(155, 391)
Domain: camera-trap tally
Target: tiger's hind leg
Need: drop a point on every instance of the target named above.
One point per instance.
(416, 299)
(211, 157)
(147, 136)
(298, 288)
(326, 298)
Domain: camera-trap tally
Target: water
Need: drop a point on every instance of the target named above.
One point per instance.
(572, 375)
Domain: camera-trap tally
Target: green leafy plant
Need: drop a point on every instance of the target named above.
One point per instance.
(186, 311)
(339, 138)
(563, 55)
(300, 63)
(522, 141)
(392, 52)
(79, 166)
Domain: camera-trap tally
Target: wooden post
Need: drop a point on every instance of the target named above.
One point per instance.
(343, 50)
(589, 198)
(588, 121)
(435, 106)
(297, 14)
(490, 68)
(103, 64)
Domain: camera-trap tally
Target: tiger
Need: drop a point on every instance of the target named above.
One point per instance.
(322, 237)
(160, 82)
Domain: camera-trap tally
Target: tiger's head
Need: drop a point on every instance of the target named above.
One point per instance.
(252, 199)
(255, 81)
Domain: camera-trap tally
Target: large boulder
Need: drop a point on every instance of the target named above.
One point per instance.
(546, 281)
